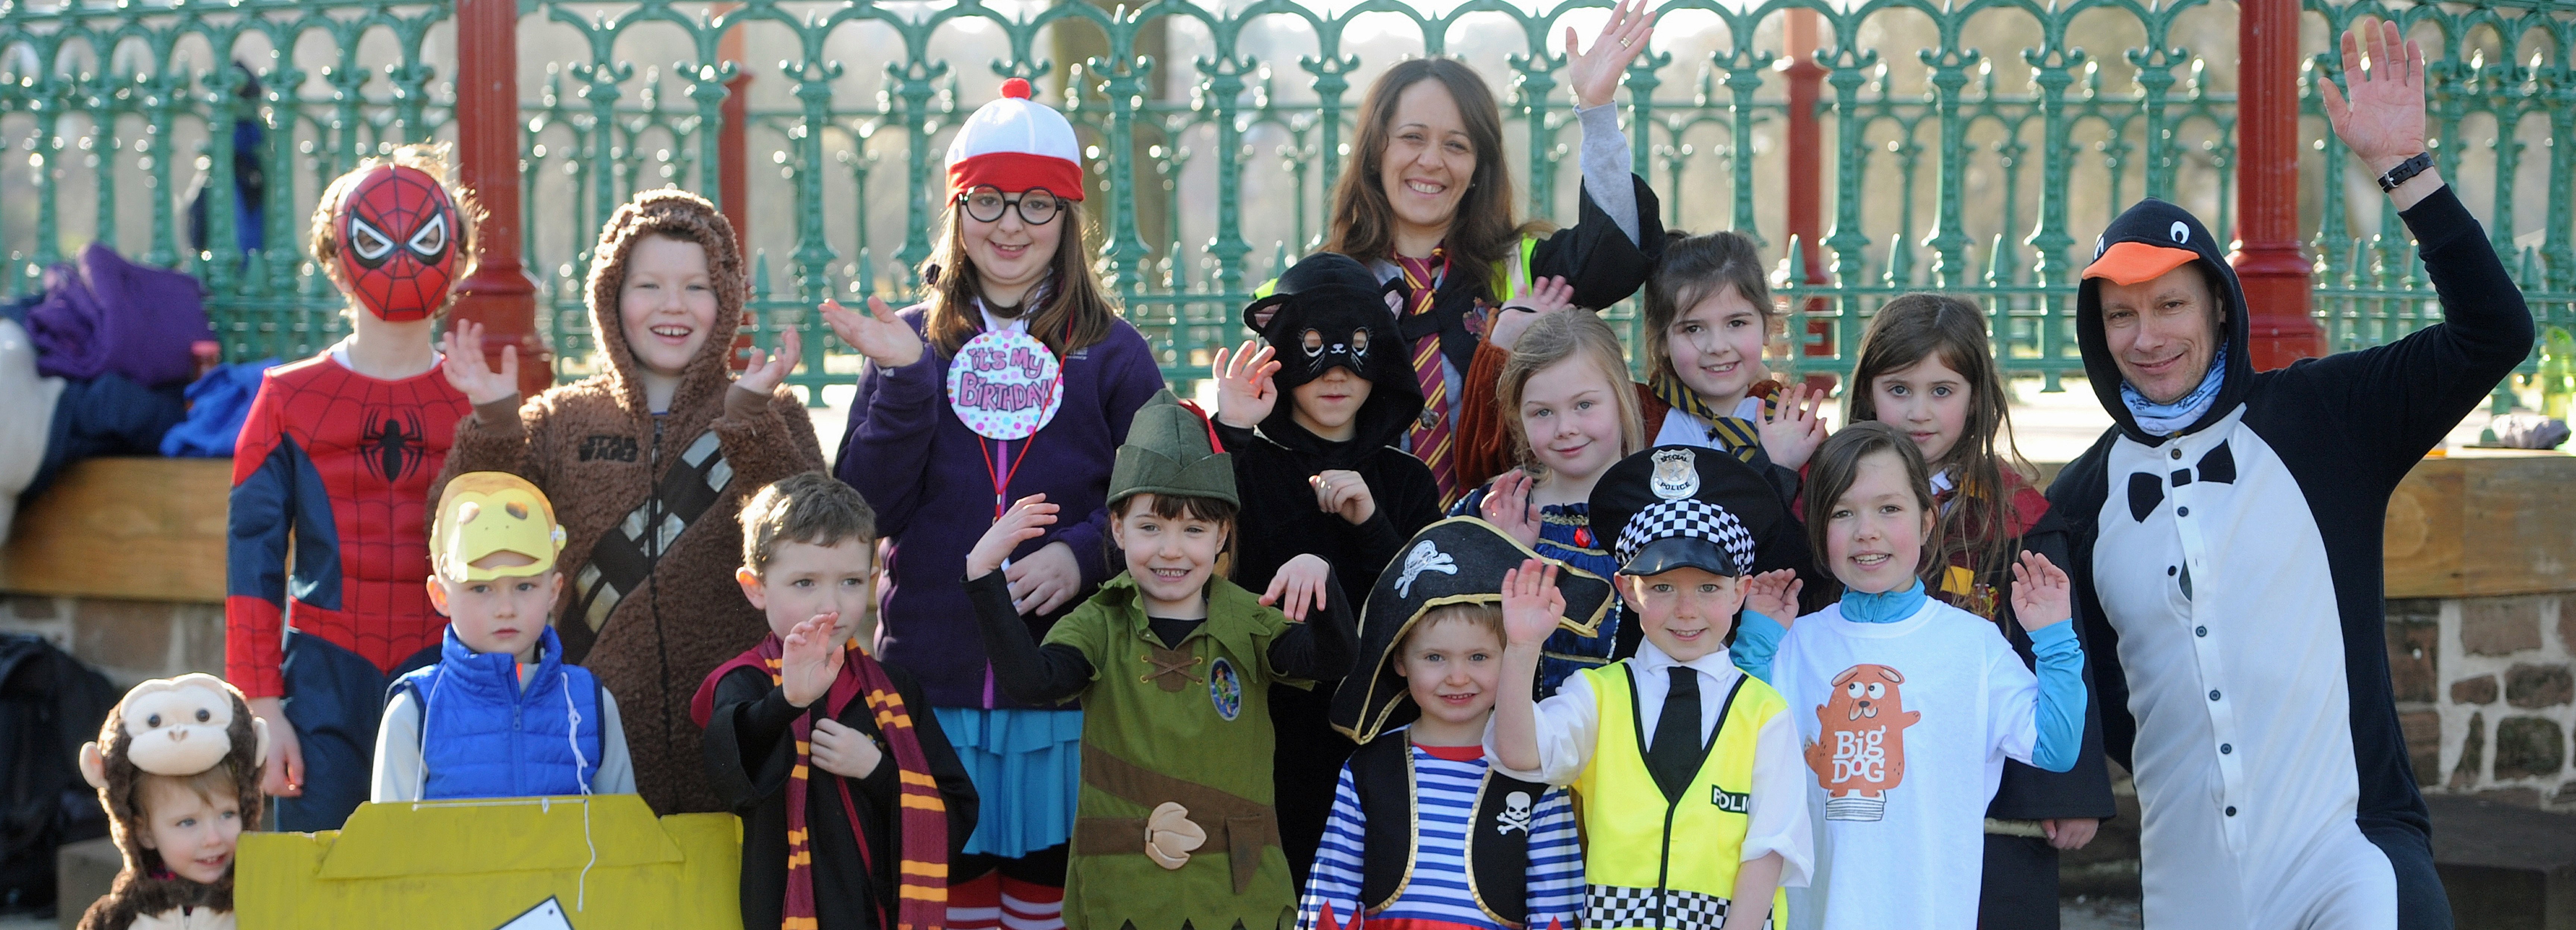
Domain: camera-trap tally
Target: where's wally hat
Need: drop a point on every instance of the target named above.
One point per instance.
(1682, 506)
(1460, 560)
(1016, 144)
(482, 513)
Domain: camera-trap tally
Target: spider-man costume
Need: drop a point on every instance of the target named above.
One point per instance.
(341, 463)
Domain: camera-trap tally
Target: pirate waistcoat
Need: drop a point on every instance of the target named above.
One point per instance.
(1497, 850)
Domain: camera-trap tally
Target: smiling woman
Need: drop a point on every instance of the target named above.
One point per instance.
(1426, 193)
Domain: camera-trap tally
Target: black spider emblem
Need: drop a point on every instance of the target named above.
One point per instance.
(399, 446)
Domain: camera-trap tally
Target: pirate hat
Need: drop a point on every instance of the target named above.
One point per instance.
(1460, 560)
(1681, 506)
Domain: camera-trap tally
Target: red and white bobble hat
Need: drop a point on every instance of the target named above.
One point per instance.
(1016, 144)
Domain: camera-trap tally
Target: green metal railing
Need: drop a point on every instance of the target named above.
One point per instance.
(1975, 147)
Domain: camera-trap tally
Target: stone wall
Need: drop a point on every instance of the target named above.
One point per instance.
(128, 640)
(2487, 695)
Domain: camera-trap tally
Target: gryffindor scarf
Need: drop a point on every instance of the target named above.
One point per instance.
(921, 876)
(1738, 436)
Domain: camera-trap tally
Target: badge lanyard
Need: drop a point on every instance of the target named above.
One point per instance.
(994, 469)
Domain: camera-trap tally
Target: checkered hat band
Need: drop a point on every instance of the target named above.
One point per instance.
(1697, 519)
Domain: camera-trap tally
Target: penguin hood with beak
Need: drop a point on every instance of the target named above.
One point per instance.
(2147, 241)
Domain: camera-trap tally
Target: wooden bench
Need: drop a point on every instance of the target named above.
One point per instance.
(136, 529)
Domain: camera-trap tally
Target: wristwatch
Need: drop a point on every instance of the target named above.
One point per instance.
(2406, 171)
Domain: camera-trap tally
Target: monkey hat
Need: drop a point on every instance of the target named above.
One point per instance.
(176, 728)
(397, 234)
(1460, 560)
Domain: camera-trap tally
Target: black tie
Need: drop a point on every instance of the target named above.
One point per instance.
(1674, 756)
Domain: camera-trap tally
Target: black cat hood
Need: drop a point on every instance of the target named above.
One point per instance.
(1330, 312)
(2145, 242)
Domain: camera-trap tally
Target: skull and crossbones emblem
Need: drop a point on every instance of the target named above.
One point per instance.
(1425, 557)
(1515, 815)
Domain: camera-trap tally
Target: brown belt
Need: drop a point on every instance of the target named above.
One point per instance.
(1243, 826)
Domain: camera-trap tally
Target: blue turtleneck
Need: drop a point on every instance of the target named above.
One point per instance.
(1886, 607)
(2059, 716)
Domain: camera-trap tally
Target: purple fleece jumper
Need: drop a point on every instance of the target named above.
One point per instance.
(930, 480)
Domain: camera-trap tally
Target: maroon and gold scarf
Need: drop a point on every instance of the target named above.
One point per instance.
(921, 877)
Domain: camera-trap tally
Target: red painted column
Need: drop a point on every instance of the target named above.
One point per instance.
(2277, 275)
(733, 171)
(498, 294)
(1807, 176)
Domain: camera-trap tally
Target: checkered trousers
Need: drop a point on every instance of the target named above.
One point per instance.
(1609, 907)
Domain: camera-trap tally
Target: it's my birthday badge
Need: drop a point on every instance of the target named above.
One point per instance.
(1005, 385)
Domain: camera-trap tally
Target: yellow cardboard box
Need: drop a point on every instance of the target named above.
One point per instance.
(525, 863)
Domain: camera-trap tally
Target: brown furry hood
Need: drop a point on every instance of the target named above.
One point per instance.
(681, 215)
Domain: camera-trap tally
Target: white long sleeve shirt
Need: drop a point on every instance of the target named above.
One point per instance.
(1569, 728)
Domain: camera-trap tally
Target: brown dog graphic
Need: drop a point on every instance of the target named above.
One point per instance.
(1861, 753)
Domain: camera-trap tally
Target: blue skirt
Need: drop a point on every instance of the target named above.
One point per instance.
(1026, 766)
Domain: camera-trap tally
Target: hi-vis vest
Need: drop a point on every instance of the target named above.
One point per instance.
(1657, 862)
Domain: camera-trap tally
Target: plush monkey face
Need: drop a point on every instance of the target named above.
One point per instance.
(178, 727)
(175, 727)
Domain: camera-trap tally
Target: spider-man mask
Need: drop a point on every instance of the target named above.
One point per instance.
(398, 231)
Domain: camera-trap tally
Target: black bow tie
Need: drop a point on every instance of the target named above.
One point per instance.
(2147, 489)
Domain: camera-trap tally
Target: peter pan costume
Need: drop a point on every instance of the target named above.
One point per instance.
(1174, 820)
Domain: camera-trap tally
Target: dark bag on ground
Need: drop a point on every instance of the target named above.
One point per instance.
(49, 705)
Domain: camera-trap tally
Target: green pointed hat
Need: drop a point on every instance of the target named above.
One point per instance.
(1170, 450)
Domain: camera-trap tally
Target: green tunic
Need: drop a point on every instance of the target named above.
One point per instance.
(1189, 725)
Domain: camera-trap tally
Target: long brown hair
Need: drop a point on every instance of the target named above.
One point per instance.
(1483, 232)
(1076, 316)
(1692, 268)
(1556, 337)
(1837, 464)
(1982, 523)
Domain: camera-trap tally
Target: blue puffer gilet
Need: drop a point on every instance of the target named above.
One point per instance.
(481, 736)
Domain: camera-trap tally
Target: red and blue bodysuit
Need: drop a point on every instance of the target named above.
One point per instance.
(327, 549)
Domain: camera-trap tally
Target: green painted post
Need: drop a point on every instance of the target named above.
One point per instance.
(1745, 69)
(1949, 243)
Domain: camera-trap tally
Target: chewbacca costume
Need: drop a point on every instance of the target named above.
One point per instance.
(613, 467)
